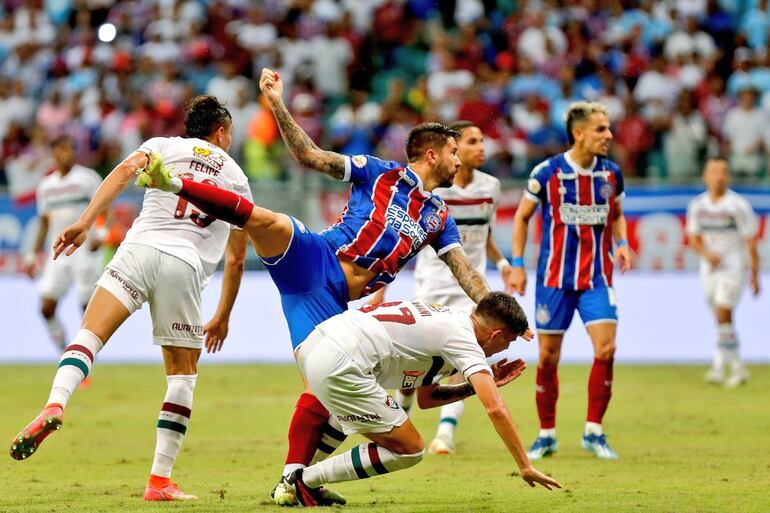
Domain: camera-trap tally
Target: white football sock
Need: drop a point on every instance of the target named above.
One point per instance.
(450, 414)
(727, 344)
(404, 401)
(592, 428)
(172, 422)
(366, 460)
(56, 332)
(331, 438)
(548, 433)
(75, 364)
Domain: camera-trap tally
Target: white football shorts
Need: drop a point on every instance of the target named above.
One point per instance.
(139, 274)
(83, 268)
(355, 398)
(723, 287)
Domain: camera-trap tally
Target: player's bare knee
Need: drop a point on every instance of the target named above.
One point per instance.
(605, 351)
(549, 358)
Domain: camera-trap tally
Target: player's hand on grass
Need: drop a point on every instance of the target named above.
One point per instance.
(533, 476)
(622, 257)
(271, 85)
(216, 332)
(70, 239)
(518, 282)
(505, 371)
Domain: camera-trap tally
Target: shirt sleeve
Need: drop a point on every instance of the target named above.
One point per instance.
(747, 221)
(692, 224)
(448, 238)
(463, 352)
(154, 145)
(536, 185)
(364, 168)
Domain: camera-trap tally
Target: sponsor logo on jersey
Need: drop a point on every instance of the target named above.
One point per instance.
(366, 418)
(358, 160)
(400, 220)
(391, 403)
(606, 190)
(543, 315)
(410, 378)
(408, 179)
(584, 214)
(300, 225)
(124, 283)
(212, 158)
(433, 222)
(203, 152)
(195, 329)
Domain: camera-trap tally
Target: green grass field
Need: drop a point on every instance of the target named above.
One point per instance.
(684, 446)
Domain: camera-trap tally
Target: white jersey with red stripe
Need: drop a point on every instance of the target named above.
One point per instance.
(169, 223)
(64, 197)
(577, 208)
(388, 219)
(725, 225)
(473, 209)
(407, 344)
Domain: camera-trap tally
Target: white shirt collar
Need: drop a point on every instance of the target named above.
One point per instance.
(577, 167)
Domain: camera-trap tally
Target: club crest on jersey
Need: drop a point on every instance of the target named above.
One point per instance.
(358, 160)
(391, 403)
(410, 378)
(433, 222)
(606, 190)
(543, 315)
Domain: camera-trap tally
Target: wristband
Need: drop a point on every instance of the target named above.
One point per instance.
(517, 261)
(621, 243)
(502, 264)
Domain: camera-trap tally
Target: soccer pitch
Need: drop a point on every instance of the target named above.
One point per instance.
(685, 446)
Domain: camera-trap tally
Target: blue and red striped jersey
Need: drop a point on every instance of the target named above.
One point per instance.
(577, 208)
(388, 219)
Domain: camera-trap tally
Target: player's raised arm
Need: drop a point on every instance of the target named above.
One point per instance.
(75, 235)
(299, 143)
(471, 281)
(486, 390)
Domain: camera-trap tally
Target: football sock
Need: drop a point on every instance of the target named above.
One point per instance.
(56, 332)
(546, 395)
(366, 460)
(599, 389)
(450, 415)
(727, 345)
(216, 202)
(592, 428)
(172, 422)
(305, 431)
(404, 400)
(331, 438)
(74, 366)
(547, 433)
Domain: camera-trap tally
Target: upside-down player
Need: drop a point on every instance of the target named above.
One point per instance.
(350, 360)
(390, 216)
(580, 193)
(166, 259)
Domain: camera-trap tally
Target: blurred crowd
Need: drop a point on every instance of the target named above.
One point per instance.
(682, 78)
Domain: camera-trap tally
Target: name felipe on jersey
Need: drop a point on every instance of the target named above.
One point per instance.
(584, 214)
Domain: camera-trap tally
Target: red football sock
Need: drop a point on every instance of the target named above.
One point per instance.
(306, 429)
(216, 202)
(546, 394)
(599, 389)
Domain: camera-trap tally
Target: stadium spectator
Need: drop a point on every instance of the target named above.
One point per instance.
(743, 131)
(684, 139)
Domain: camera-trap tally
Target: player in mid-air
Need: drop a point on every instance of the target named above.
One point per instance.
(472, 200)
(350, 360)
(723, 230)
(166, 259)
(390, 216)
(61, 197)
(580, 195)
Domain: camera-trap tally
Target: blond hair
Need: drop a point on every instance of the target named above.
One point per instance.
(581, 111)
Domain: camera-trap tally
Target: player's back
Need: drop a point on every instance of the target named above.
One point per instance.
(473, 208)
(64, 197)
(724, 225)
(170, 223)
(406, 344)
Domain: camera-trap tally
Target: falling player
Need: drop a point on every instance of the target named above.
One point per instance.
(61, 198)
(580, 193)
(350, 359)
(472, 200)
(166, 259)
(390, 216)
(723, 230)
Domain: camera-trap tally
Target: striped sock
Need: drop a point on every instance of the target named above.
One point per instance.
(331, 438)
(172, 423)
(450, 415)
(74, 366)
(366, 460)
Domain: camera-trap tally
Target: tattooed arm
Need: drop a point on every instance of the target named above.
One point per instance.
(471, 281)
(435, 395)
(299, 143)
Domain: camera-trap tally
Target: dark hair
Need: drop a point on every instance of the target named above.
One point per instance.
(461, 125)
(427, 136)
(63, 139)
(499, 307)
(203, 115)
